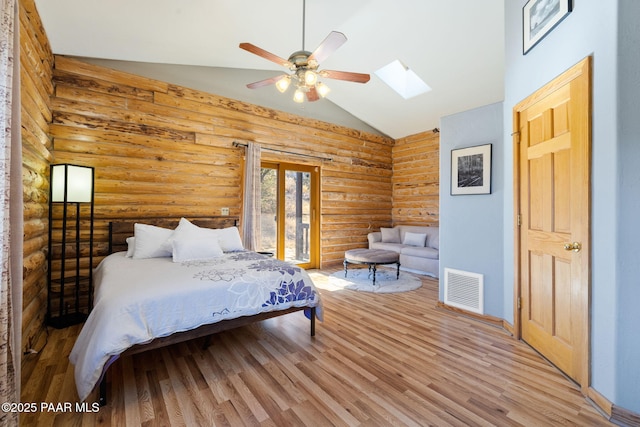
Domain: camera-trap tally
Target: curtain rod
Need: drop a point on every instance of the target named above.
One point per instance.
(240, 144)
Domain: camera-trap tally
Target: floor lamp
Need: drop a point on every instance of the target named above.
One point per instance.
(70, 291)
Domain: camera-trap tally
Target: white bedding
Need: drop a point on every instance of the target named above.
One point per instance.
(137, 300)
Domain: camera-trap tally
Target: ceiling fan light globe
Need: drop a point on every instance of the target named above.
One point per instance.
(322, 89)
(310, 78)
(298, 96)
(283, 84)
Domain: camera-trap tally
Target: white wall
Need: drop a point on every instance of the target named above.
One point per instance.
(471, 225)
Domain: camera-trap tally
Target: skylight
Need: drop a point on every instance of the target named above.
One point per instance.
(402, 79)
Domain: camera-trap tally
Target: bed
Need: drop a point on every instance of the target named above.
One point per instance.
(204, 282)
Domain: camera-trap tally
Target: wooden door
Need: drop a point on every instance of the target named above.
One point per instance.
(552, 140)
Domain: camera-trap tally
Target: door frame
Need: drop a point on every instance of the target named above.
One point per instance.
(581, 68)
(314, 226)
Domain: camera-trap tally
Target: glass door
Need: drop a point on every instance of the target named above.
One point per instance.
(268, 238)
(289, 220)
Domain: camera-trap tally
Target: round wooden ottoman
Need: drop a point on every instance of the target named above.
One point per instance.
(372, 258)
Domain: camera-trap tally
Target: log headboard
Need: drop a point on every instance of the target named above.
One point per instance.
(121, 229)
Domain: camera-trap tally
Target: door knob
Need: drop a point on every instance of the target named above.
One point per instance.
(575, 246)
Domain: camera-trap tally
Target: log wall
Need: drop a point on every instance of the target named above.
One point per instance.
(163, 150)
(166, 150)
(36, 62)
(416, 177)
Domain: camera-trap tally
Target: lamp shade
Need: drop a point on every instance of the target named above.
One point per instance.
(298, 96)
(283, 84)
(322, 89)
(310, 78)
(74, 181)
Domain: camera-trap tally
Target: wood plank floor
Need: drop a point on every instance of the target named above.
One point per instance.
(376, 360)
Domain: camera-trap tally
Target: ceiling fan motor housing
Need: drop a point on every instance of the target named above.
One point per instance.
(300, 59)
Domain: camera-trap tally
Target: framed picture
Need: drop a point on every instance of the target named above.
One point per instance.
(539, 17)
(471, 170)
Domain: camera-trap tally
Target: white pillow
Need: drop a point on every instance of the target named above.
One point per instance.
(195, 248)
(187, 228)
(131, 246)
(150, 241)
(390, 235)
(184, 228)
(415, 239)
(228, 238)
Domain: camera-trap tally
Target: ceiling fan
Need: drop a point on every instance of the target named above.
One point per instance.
(304, 67)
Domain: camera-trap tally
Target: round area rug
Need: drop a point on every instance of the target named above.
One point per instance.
(361, 280)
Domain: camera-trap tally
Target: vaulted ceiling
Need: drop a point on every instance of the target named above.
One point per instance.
(456, 47)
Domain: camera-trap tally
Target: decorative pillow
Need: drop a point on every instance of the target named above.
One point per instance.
(390, 235)
(131, 246)
(415, 239)
(150, 241)
(195, 248)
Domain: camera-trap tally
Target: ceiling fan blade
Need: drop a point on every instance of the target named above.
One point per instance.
(345, 75)
(333, 41)
(265, 82)
(266, 55)
(312, 94)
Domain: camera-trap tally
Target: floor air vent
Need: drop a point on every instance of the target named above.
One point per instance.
(464, 290)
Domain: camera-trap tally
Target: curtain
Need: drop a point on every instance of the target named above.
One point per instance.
(251, 198)
(10, 167)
